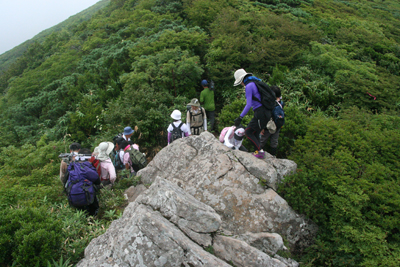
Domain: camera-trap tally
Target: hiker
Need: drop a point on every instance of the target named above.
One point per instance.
(117, 157)
(265, 133)
(261, 113)
(177, 129)
(207, 98)
(133, 159)
(79, 178)
(234, 137)
(128, 131)
(196, 118)
(74, 149)
(108, 174)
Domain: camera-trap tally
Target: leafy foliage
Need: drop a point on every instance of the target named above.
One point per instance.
(348, 184)
(135, 61)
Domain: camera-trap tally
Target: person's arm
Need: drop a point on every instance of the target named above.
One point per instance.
(63, 170)
(126, 161)
(111, 172)
(188, 121)
(205, 119)
(169, 137)
(202, 97)
(249, 99)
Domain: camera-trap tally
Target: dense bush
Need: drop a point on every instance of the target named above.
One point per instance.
(137, 60)
(28, 236)
(348, 183)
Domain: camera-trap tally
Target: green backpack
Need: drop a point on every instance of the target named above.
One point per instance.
(138, 159)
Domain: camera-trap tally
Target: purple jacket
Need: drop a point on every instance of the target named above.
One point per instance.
(251, 90)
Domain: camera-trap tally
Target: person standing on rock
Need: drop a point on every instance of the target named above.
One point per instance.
(177, 129)
(261, 114)
(207, 98)
(265, 134)
(196, 118)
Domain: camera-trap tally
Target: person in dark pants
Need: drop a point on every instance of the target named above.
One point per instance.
(207, 99)
(261, 114)
(265, 134)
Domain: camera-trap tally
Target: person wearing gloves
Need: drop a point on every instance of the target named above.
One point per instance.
(234, 138)
(108, 174)
(261, 114)
(196, 118)
(177, 129)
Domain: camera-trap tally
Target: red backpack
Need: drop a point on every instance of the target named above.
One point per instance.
(96, 163)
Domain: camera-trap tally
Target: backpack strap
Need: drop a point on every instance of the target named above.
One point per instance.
(279, 104)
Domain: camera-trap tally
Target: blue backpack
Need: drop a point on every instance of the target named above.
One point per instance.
(118, 162)
(79, 186)
(278, 115)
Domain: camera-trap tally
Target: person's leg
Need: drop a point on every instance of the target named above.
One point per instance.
(93, 208)
(242, 148)
(211, 119)
(264, 137)
(274, 142)
(257, 123)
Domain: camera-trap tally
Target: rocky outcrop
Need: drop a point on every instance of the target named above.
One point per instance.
(165, 226)
(238, 186)
(206, 205)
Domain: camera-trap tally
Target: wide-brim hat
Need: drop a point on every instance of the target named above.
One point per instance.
(104, 149)
(194, 102)
(128, 130)
(239, 76)
(176, 115)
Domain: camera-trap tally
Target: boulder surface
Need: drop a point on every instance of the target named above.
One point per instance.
(238, 186)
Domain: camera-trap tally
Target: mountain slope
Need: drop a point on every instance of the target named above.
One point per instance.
(9, 57)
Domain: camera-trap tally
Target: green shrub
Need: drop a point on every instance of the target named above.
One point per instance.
(28, 236)
(347, 182)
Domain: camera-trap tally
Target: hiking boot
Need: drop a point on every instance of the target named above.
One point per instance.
(259, 154)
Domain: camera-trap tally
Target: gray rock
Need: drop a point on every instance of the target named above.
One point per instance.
(269, 243)
(239, 253)
(288, 262)
(228, 181)
(144, 235)
(134, 191)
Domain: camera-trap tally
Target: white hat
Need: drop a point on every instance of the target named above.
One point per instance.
(239, 132)
(104, 149)
(239, 76)
(176, 115)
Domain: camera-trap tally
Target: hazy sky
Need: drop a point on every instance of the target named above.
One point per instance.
(20, 20)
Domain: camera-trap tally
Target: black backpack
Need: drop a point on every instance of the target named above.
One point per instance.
(268, 97)
(176, 132)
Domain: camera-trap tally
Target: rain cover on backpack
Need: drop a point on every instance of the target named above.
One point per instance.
(223, 133)
(79, 185)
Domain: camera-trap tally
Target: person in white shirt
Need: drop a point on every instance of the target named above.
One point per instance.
(179, 126)
(128, 131)
(234, 138)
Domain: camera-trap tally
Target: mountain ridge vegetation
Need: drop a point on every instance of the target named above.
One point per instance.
(134, 61)
(10, 56)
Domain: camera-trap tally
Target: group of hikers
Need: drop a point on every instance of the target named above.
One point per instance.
(83, 173)
(268, 119)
